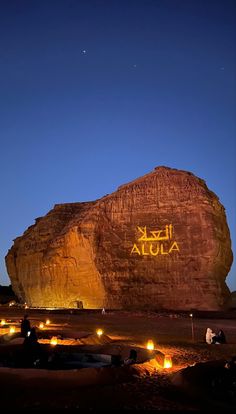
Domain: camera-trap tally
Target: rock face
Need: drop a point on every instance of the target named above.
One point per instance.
(159, 242)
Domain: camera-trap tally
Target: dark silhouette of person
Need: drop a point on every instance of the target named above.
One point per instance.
(219, 338)
(25, 326)
(132, 357)
(32, 348)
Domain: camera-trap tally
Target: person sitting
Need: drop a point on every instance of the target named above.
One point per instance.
(25, 326)
(132, 357)
(220, 338)
(209, 336)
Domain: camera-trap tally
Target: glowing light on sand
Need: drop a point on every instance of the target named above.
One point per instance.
(47, 322)
(12, 329)
(41, 325)
(99, 332)
(53, 341)
(150, 345)
(3, 322)
(167, 362)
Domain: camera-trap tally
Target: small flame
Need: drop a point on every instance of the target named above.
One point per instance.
(167, 362)
(47, 322)
(150, 345)
(3, 322)
(12, 330)
(99, 332)
(53, 340)
(41, 325)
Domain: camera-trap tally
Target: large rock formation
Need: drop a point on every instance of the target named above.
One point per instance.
(159, 242)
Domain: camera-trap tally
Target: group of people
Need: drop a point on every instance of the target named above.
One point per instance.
(213, 338)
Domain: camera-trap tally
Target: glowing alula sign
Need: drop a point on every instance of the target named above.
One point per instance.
(157, 242)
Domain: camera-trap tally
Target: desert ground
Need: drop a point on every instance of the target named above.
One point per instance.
(145, 385)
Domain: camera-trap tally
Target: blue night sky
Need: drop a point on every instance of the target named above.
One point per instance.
(95, 93)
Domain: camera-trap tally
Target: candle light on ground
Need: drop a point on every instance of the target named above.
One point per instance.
(150, 345)
(12, 329)
(167, 362)
(99, 332)
(53, 341)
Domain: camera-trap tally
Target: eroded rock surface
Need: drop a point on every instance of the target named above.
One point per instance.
(159, 242)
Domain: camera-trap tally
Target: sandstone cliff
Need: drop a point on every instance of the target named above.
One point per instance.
(159, 242)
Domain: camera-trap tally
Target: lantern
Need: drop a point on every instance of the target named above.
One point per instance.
(53, 340)
(41, 325)
(3, 322)
(167, 362)
(47, 322)
(99, 332)
(150, 345)
(12, 329)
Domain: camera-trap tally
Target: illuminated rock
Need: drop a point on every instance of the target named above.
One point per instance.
(159, 242)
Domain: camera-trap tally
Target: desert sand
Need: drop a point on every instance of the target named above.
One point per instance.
(142, 386)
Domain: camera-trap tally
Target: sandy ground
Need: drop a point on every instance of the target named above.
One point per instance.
(145, 386)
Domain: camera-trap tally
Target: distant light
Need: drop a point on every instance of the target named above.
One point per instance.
(53, 341)
(150, 345)
(28, 333)
(47, 322)
(99, 332)
(191, 315)
(41, 325)
(12, 330)
(84, 51)
(167, 362)
(3, 322)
